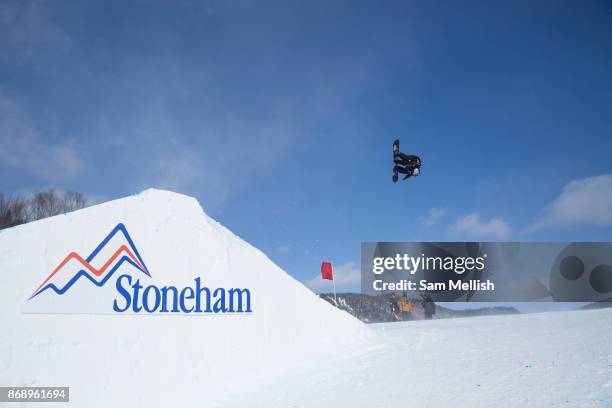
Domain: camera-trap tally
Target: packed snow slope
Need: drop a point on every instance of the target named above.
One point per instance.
(554, 359)
(112, 360)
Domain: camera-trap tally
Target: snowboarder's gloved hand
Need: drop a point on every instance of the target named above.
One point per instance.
(415, 171)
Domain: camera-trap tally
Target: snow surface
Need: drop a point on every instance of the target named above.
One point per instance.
(555, 359)
(294, 350)
(159, 360)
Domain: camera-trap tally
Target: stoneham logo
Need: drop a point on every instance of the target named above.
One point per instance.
(108, 280)
(99, 277)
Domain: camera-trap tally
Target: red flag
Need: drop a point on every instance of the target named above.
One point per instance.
(326, 271)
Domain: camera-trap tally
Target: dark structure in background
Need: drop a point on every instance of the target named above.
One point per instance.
(429, 307)
(375, 309)
(16, 210)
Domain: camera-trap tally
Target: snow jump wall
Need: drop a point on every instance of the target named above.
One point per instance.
(66, 322)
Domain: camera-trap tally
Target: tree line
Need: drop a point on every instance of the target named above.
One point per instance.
(15, 209)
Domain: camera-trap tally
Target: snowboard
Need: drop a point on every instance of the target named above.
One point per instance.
(395, 153)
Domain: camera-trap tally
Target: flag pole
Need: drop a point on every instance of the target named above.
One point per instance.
(334, 282)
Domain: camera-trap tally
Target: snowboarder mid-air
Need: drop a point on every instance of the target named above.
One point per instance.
(407, 164)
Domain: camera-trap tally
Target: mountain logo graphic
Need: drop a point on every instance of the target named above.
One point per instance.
(97, 276)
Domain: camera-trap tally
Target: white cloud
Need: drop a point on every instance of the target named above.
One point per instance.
(347, 277)
(585, 201)
(22, 147)
(471, 226)
(215, 165)
(434, 215)
(26, 27)
(165, 123)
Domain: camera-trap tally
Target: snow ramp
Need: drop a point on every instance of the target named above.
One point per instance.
(69, 318)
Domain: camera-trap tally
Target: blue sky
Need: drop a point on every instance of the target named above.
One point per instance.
(279, 116)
